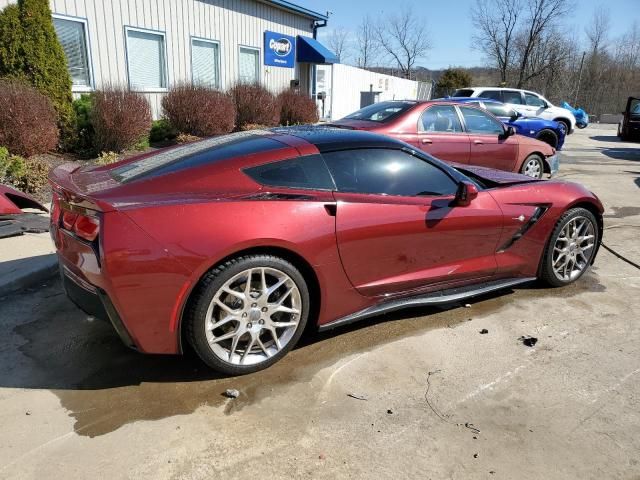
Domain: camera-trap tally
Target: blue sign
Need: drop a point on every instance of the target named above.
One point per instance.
(279, 50)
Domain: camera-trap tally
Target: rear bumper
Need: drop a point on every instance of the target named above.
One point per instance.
(94, 301)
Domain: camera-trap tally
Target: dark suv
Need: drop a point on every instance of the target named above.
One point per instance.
(629, 128)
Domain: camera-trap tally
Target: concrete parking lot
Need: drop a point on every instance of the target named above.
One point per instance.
(431, 397)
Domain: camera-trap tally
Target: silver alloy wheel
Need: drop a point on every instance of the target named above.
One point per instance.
(573, 248)
(532, 168)
(253, 316)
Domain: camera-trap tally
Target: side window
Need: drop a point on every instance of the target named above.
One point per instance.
(440, 118)
(146, 60)
(73, 38)
(303, 172)
(500, 110)
(387, 172)
(533, 100)
(512, 96)
(491, 94)
(480, 122)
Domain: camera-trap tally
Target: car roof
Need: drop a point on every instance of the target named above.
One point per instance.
(326, 138)
(468, 100)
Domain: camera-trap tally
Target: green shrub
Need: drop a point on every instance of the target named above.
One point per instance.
(162, 131)
(33, 177)
(11, 61)
(17, 167)
(84, 128)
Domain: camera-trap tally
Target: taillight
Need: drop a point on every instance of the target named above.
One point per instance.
(68, 219)
(55, 209)
(82, 225)
(87, 227)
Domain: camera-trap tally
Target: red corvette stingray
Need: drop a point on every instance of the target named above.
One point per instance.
(235, 243)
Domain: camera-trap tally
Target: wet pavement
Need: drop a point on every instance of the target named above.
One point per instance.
(440, 399)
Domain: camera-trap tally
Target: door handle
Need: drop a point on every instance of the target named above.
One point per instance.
(331, 209)
(427, 140)
(478, 142)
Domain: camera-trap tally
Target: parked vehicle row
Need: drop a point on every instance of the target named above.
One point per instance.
(234, 244)
(456, 132)
(548, 131)
(528, 103)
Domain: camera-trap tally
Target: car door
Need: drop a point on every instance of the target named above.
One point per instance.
(439, 132)
(396, 226)
(515, 100)
(534, 105)
(490, 147)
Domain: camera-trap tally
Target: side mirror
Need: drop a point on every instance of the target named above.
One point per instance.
(467, 191)
(508, 132)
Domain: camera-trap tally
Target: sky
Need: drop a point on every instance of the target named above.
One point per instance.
(450, 25)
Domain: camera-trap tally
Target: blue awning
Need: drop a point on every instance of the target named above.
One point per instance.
(309, 50)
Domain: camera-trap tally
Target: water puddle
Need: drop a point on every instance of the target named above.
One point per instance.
(104, 386)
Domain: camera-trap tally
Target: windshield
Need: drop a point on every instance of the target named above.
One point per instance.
(381, 112)
(463, 92)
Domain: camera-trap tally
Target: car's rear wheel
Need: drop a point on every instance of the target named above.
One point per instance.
(533, 166)
(549, 137)
(571, 248)
(247, 313)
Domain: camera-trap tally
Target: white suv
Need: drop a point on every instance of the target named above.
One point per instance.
(528, 103)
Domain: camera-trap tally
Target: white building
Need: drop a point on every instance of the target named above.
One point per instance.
(151, 45)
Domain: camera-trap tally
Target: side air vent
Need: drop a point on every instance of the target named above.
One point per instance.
(537, 214)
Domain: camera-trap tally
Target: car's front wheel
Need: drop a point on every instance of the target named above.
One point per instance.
(571, 248)
(533, 166)
(247, 313)
(549, 137)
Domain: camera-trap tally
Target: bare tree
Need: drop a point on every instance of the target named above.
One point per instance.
(598, 30)
(366, 43)
(542, 15)
(338, 42)
(496, 22)
(404, 37)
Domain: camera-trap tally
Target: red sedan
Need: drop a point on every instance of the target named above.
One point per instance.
(456, 133)
(233, 244)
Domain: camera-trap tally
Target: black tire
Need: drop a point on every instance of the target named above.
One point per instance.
(567, 126)
(204, 294)
(528, 167)
(547, 274)
(549, 137)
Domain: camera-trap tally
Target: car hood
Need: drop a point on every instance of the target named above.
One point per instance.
(499, 177)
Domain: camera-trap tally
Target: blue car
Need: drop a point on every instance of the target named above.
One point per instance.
(548, 131)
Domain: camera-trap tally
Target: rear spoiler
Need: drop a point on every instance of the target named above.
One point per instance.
(63, 183)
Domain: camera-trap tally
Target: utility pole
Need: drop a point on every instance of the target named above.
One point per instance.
(575, 100)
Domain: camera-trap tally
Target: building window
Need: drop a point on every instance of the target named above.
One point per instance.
(205, 62)
(249, 65)
(146, 60)
(73, 38)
